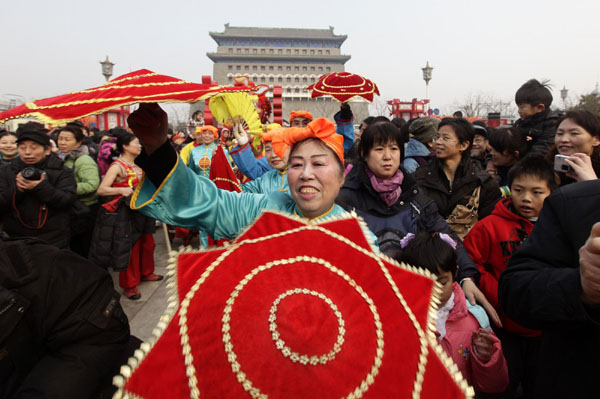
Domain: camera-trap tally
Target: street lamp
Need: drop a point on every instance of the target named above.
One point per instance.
(107, 68)
(563, 94)
(427, 77)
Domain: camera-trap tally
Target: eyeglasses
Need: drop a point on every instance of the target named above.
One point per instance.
(445, 139)
(479, 140)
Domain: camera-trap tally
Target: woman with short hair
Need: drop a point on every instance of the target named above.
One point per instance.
(76, 156)
(452, 178)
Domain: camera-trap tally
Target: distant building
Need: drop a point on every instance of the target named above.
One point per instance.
(292, 58)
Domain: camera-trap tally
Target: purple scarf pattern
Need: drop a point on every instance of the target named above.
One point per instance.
(389, 189)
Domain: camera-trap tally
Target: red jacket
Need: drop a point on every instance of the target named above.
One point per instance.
(491, 243)
(489, 377)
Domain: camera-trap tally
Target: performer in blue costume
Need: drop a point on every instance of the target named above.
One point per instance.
(246, 161)
(276, 178)
(201, 156)
(172, 193)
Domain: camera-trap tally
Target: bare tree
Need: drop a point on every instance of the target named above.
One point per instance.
(379, 107)
(177, 115)
(589, 102)
(482, 103)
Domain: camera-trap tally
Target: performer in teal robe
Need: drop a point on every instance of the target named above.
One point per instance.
(174, 194)
(273, 180)
(265, 182)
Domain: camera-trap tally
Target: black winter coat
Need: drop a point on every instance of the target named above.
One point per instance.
(433, 181)
(115, 234)
(63, 333)
(43, 212)
(541, 289)
(412, 213)
(541, 127)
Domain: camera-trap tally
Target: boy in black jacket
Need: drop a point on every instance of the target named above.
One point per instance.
(533, 101)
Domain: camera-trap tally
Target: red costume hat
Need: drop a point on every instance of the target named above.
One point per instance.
(302, 114)
(213, 129)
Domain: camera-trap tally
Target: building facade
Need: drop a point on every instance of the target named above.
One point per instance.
(291, 58)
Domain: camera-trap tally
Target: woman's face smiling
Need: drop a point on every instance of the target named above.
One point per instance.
(273, 159)
(8, 146)
(314, 177)
(571, 138)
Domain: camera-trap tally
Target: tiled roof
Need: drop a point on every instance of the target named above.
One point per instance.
(277, 33)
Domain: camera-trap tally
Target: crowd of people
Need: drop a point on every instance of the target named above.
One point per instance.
(503, 217)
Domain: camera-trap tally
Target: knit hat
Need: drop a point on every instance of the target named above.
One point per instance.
(33, 132)
(424, 129)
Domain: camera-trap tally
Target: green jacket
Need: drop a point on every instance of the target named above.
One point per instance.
(86, 174)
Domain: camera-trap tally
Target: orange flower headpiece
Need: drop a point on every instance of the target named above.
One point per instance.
(321, 128)
(213, 129)
(303, 114)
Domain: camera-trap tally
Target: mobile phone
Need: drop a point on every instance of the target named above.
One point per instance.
(560, 164)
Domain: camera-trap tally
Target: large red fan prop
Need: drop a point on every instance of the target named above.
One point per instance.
(295, 310)
(141, 86)
(343, 86)
(222, 174)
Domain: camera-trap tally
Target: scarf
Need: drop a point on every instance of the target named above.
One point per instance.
(442, 316)
(389, 189)
(76, 153)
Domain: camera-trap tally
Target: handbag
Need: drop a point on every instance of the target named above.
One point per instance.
(463, 217)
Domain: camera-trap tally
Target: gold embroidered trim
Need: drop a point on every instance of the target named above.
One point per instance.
(295, 356)
(133, 85)
(228, 181)
(430, 335)
(139, 354)
(232, 358)
(136, 193)
(321, 216)
(323, 83)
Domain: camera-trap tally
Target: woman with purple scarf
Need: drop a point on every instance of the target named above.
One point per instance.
(392, 205)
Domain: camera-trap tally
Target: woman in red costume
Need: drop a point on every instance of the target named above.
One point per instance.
(120, 180)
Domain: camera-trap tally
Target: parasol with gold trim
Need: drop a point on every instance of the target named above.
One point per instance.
(343, 86)
(135, 87)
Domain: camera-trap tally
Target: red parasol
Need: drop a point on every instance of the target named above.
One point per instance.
(135, 87)
(343, 86)
(294, 310)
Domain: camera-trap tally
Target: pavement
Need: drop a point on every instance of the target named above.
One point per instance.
(145, 312)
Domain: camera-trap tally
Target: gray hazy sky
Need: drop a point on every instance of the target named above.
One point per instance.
(52, 47)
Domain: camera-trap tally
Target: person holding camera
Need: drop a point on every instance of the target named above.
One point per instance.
(37, 191)
(576, 151)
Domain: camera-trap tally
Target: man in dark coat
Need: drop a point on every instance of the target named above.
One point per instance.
(552, 284)
(37, 191)
(63, 332)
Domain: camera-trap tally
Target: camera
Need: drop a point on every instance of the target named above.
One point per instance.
(560, 164)
(31, 173)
